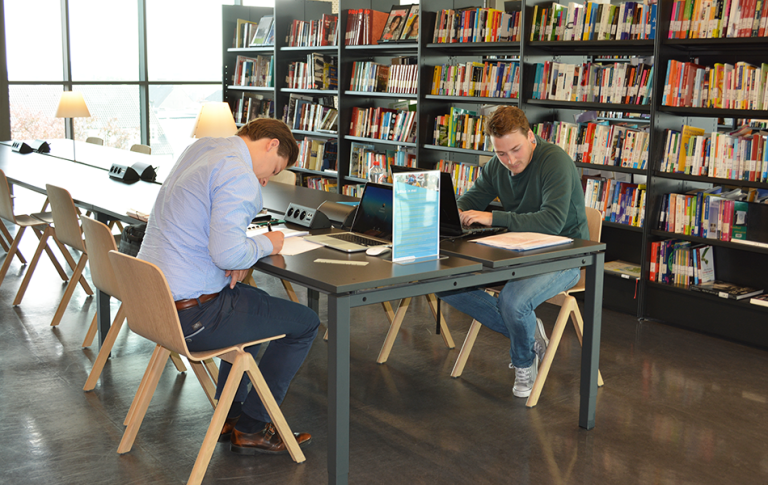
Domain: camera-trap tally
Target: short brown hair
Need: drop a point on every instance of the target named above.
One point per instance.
(259, 128)
(505, 120)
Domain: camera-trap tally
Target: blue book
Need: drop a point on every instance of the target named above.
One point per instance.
(652, 34)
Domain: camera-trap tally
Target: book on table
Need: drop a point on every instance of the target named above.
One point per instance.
(523, 241)
(724, 289)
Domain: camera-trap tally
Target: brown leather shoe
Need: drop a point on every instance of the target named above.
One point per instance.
(226, 430)
(265, 441)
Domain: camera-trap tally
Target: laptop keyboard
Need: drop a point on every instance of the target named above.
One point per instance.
(354, 238)
(477, 227)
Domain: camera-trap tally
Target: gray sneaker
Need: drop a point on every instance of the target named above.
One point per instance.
(525, 377)
(541, 340)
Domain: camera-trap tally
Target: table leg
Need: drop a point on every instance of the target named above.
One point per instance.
(338, 390)
(102, 300)
(313, 300)
(590, 350)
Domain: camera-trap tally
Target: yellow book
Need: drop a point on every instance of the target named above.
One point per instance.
(685, 134)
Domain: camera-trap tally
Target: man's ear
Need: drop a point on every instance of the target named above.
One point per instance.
(274, 143)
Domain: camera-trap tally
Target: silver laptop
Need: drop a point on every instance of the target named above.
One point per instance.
(372, 225)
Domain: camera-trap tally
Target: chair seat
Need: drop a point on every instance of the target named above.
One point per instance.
(27, 221)
(46, 217)
(207, 354)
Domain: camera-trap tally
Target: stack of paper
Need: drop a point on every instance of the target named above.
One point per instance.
(522, 241)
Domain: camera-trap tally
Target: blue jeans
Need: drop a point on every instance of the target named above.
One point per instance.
(512, 313)
(244, 314)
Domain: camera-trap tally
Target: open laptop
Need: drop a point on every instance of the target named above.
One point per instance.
(372, 225)
(450, 222)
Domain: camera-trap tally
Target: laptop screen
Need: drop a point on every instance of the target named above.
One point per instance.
(374, 213)
(449, 211)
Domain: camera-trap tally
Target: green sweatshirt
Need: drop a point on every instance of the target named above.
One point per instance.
(546, 197)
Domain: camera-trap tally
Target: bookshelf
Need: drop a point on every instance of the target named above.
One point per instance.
(737, 263)
(232, 91)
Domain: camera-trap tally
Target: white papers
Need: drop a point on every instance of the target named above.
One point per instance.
(522, 241)
(257, 230)
(297, 245)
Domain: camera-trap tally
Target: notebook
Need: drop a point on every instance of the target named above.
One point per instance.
(450, 222)
(372, 225)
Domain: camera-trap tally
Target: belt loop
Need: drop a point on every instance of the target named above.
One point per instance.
(198, 301)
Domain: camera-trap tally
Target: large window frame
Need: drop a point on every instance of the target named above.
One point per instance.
(67, 82)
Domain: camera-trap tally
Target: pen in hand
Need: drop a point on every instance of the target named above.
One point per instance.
(269, 227)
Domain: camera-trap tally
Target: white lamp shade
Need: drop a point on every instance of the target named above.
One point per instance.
(72, 105)
(215, 120)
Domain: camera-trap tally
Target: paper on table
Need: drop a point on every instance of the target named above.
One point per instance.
(522, 241)
(297, 245)
(263, 229)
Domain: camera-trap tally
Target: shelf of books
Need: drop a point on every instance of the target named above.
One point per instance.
(307, 87)
(248, 62)
(706, 253)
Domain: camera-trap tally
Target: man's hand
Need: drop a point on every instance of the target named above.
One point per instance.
(277, 238)
(236, 274)
(470, 217)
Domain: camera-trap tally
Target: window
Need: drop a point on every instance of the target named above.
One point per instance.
(33, 40)
(104, 38)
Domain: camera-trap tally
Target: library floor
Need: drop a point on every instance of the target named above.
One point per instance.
(677, 407)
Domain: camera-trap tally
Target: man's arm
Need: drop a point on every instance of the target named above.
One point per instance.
(235, 198)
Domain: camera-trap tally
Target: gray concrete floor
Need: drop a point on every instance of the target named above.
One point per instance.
(677, 408)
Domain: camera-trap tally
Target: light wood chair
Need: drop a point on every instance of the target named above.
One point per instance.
(569, 307)
(141, 149)
(66, 231)
(95, 140)
(152, 314)
(100, 241)
(23, 222)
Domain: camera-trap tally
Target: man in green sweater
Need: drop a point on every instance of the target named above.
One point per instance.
(540, 191)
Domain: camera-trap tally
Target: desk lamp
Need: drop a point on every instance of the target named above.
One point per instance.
(72, 105)
(215, 120)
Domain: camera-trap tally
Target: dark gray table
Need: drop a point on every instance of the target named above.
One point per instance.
(467, 265)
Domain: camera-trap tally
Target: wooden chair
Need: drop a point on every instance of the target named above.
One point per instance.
(100, 241)
(152, 314)
(141, 149)
(95, 140)
(568, 308)
(23, 222)
(67, 232)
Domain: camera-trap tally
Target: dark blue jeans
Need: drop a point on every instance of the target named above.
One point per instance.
(244, 314)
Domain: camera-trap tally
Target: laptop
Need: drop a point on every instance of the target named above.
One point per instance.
(372, 225)
(450, 222)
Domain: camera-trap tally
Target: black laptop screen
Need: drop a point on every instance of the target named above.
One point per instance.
(374, 213)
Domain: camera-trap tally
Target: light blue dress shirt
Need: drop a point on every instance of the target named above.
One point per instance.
(196, 230)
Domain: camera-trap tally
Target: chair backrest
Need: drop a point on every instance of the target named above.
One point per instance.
(148, 302)
(66, 220)
(95, 140)
(6, 203)
(141, 149)
(100, 241)
(284, 177)
(595, 224)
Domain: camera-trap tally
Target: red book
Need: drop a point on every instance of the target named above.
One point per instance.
(654, 261)
(378, 21)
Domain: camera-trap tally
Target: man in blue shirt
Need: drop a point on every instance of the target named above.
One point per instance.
(196, 234)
